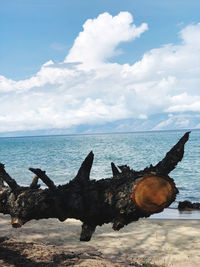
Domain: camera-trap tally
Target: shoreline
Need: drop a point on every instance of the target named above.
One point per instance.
(175, 214)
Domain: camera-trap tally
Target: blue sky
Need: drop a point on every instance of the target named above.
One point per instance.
(33, 32)
(71, 76)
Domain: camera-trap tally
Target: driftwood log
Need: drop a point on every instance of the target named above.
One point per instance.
(122, 199)
(187, 205)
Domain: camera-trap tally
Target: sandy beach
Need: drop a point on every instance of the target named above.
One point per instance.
(49, 242)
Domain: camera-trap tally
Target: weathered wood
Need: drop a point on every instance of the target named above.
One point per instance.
(6, 177)
(84, 171)
(34, 184)
(42, 175)
(121, 199)
(187, 205)
(172, 158)
(115, 171)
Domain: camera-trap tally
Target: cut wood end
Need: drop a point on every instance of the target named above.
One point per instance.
(16, 222)
(154, 193)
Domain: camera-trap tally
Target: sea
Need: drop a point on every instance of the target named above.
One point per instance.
(61, 156)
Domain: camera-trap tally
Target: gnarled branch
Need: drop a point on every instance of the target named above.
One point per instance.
(45, 179)
(6, 177)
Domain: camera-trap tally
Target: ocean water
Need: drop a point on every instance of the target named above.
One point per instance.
(61, 156)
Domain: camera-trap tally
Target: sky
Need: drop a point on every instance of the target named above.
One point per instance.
(74, 65)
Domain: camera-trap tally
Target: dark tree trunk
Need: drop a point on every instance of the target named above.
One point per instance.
(126, 197)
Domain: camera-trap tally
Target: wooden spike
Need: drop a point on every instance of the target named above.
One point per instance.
(84, 171)
(124, 168)
(42, 175)
(34, 184)
(1, 184)
(172, 157)
(87, 232)
(6, 177)
(115, 171)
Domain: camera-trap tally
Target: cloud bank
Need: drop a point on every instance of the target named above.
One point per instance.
(88, 89)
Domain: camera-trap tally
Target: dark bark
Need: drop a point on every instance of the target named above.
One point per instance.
(117, 199)
(187, 205)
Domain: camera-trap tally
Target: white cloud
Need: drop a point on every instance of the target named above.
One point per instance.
(166, 79)
(190, 35)
(184, 102)
(100, 37)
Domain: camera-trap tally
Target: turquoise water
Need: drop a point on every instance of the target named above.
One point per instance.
(61, 156)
